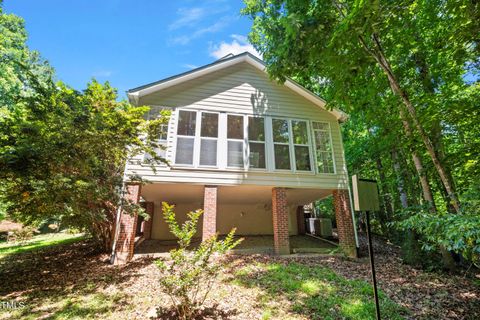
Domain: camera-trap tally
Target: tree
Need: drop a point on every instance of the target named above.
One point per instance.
(63, 152)
(394, 66)
(346, 41)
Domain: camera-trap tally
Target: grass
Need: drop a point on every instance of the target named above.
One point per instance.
(315, 292)
(39, 242)
(84, 303)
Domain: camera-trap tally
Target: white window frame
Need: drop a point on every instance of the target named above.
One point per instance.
(222, 143)
(331, 147)
(291, 146)
(309, 145)
(244, 141)
(265, 149)
(163, 142)
(195, 145)
(199, 113)
(289, 143)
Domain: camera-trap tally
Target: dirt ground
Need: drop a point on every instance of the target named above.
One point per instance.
(66, 282)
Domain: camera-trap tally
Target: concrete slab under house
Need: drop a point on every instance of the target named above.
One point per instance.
(251, 152)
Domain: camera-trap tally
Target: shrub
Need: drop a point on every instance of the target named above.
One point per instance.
(189, 276)
(459, 233)
(22, 235)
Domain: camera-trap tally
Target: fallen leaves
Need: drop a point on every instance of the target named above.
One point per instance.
(46, 280)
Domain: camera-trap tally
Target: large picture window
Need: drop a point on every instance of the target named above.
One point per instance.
(256, 141)
(323, 147)
(235, 137)
(293, 144)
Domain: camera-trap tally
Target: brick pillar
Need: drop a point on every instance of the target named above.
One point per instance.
(300, 220)
(147, 224)
(209, 212)
(128, 226)
(280, 221)
(346, 233)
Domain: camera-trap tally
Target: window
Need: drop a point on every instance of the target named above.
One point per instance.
(281, 144)
(185, 137)
(235, 136)
(323, 147)
(256, 142)
(301, 145)
(161, 135)
(209, 137)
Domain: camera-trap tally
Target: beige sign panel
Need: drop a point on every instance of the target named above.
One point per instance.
(365, 194)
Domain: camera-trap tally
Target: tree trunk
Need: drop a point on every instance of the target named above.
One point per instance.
(400, 179)
(396, 88)
(386, 213)
(382, 61)
(426, 190)
(438, 142)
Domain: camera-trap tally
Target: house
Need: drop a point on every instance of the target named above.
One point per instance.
(247, 150)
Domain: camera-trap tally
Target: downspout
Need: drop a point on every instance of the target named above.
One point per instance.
(118, 216)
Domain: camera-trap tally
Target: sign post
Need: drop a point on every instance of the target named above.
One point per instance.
(365, 196)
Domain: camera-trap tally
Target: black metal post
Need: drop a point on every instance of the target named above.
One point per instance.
(372, 265)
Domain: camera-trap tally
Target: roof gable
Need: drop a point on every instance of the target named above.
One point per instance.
(135, 93)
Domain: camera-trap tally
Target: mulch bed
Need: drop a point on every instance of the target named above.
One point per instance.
(62, 269)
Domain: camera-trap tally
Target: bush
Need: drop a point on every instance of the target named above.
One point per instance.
(189, 276)
(459, 233)
(22, 235)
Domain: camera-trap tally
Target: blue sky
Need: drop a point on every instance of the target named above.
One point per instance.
(131, 43)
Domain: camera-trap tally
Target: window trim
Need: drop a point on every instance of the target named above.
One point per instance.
(291, 145)
(265, 148)
(309, 145)
(274, 168)
(222, 143)
(331, 147)
(200, 112)
(164, 142)
(175, 140)
(244, 141)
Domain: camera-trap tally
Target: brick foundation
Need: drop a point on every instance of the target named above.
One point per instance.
(280, 221)
(128, 225)
(209, 212)
(147, 224)
(345, 227)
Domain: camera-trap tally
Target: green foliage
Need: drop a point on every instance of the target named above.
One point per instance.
(431, 48)
(63, 152)
(325, 208)
(459, 233)
(316, 292)
(189, 276)
(22, 235)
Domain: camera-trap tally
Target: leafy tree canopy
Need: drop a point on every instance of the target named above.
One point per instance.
(63, 152)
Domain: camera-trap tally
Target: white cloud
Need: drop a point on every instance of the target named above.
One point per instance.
(238, 45)
(217, 26)
(102, 73)
(189, 66)
(188, 17)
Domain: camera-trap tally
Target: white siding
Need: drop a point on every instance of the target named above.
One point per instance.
(246, 90)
